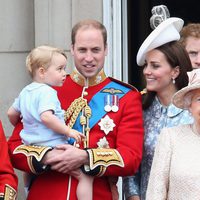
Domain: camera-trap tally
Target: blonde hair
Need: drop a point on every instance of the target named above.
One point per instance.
(41, 56)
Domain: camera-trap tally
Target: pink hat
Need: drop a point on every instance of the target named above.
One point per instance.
(194, 83)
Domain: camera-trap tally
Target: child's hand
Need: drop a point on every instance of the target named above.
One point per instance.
(76, 135)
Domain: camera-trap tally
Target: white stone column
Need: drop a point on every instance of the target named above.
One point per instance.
(17, 38)
(53, 23)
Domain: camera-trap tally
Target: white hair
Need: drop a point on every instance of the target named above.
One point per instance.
(188, 98)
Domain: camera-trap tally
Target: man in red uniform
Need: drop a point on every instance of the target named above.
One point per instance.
(8, 179)
(107, 111)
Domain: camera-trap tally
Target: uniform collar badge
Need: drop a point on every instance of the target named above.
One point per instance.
(79, 79)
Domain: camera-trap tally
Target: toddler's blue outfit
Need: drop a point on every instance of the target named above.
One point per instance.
(32, 101)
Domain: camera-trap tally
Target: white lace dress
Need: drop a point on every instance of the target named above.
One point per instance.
(175, 172)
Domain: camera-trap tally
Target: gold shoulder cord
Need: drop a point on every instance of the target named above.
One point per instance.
(73, 111)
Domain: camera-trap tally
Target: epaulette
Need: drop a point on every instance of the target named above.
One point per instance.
(125, 84)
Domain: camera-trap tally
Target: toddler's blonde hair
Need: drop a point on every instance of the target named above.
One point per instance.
(41, 56)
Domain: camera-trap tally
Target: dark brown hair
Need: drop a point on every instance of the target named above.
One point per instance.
(176, 55)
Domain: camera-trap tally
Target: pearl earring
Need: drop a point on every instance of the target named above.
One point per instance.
(173, 80)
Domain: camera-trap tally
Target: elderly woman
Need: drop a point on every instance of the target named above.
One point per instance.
(175, 172)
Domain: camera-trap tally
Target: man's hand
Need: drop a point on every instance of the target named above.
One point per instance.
(66, 158)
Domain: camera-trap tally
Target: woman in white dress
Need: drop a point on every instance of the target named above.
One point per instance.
(175, 172)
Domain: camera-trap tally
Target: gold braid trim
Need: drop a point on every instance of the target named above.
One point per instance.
(10, 193)
(83, 120)
(104, 157)
(70, 110)
(102, 171)
(88, 114)
(88, 111)
(74, 109)
(37, 151)
(72, 113)
(30, 164)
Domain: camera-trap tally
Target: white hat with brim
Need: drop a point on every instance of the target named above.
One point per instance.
(165, 32)
(194, 83)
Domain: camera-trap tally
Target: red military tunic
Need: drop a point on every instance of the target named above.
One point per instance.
(125, 142)
(8, 179)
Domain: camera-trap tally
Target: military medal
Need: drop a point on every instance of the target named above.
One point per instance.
(115, 103)
(111, 103)
(108, 103)
(106, 124)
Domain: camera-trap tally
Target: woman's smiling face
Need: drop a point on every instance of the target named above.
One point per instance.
(157, 72)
